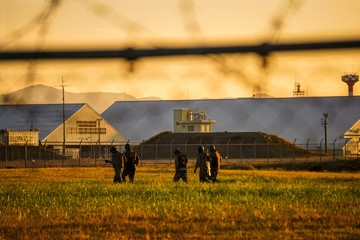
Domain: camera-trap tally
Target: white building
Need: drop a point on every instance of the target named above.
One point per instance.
(352, 147)
(84, 127)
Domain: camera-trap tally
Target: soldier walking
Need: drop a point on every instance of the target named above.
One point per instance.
(131, 160)
(203, 162)
(180, 166)
(117, 160)
(215, 161)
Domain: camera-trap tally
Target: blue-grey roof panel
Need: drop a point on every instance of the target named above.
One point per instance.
(47, 117)
(291, 118)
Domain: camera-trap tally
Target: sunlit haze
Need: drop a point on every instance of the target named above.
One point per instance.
(113, 24)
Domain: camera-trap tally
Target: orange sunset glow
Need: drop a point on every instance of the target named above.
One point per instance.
(96, 24)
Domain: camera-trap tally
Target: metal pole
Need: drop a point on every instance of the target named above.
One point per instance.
(63, 98)
(141, 154)
(324, 123)
(186, 144)
(320, 148)
(80, 152)
(267, 152)
(172, 140)
(26, 153)
(6, 156)
(307, 149)
(99, 155)
(254, 150)
(346, 146)
(156, 151)
(227, 149)
(294, 150)
(241, 149)
(333, 150)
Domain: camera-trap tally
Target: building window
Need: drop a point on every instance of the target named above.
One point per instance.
(191, 128)
(85, 130)
(91, 124)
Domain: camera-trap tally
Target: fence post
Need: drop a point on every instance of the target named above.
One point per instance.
(227, 149)
(254, 150)
(26, 153)
(186, 143)
(267, 151)
(39, 153)
(346, 146)
(334, 149)
(172, 140)
(320, 148)
(241, 148)
(307, 149)
(80, 152)
(156, 150)
(96, 155)
(141, 154)
(294, 151)
(281, 152)
(6, 156)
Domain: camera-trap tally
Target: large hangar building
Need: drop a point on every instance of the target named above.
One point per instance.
(290, 118)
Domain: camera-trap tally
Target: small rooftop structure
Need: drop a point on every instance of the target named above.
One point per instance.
(191, 120)
(20, 138)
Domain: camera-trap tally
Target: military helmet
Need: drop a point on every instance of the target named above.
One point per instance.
(201, 149)
(212, 148)
(177, 150)
(127, 146)
(112, 149)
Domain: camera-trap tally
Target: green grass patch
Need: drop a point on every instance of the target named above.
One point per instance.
(83, 203)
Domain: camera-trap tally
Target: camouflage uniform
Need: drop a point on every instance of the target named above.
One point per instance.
(180, 166)
(131, 160)
(203, 162)
(215, 161)
(117, 160)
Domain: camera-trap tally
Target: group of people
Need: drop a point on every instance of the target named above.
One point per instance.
(209, 164)
(129, 160)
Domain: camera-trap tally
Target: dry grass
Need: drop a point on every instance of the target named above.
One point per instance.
(83, 203)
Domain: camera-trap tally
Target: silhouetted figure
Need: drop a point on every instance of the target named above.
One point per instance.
(215, 161)
(131, 160)
(180, 166)
(203, 162)
(117, 160)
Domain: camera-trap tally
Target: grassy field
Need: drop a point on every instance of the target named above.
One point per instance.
(83, 203)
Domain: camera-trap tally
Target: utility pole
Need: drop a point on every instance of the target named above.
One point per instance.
(63, 98)
(324, 124)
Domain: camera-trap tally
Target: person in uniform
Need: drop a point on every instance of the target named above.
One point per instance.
(215, 161)
(203, 162)
(117, 160)
(131, 160)
(180, 166)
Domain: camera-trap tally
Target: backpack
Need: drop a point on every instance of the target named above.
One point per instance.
(182, 161)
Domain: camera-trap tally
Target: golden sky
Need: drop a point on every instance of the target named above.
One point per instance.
(117, 24)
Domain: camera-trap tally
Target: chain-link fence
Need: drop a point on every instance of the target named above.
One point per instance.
(44, 156)
(247, 153)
